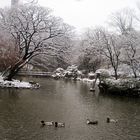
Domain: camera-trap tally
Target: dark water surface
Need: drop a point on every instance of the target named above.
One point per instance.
(69, 102)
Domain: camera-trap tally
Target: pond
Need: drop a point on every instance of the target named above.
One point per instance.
(21, 111)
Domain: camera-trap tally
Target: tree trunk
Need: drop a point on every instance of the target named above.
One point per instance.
(135, 75)
(12, 73)
(116, 74)
(14, 70)
(134, 72)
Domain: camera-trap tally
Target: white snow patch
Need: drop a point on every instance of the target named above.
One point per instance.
(17, 84)
(86, 80)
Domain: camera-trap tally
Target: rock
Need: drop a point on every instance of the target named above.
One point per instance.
(127, 86)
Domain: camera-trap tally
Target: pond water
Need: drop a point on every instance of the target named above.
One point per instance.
(71, 102)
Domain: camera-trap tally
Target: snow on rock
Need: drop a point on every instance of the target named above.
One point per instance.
(59, 70)
(58, 73)
(87, 80)
(103, 73)
(128, 86)
(17, 84)
(127, 83)
(70, 72)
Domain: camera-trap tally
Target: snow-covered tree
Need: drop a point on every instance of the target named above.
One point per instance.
(90, 58)
(131, 45)
(61, 57)
(123, 20)
(34, 31)
(111, 48)
(107, 46)
(8, 55)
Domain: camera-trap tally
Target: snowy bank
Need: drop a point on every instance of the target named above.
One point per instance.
(17, 84)
(127, 86)
(87, 80)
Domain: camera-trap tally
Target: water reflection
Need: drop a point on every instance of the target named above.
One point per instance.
(69, 102)
(9, 94)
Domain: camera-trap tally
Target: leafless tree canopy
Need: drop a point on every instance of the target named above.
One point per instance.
(123, 20)
(33, 30)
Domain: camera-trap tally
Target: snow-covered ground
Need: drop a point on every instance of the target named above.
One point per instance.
(120, 83)
(86, 80)
(17, 84)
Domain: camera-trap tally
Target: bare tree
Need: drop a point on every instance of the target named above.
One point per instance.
(8, 55)
(108, 45)
(123, 21)
(132, 49)
(111, 48)
(89, 60)
(33, 30)
(61, 57)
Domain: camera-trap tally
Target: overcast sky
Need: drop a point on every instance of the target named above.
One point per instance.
(83, 13)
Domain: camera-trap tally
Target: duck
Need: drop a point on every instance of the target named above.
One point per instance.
(43, 123)
(59, 124)
(108, 120)
(92, 89)
(92, 122)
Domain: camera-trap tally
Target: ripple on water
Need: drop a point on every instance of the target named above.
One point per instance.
(69, 102)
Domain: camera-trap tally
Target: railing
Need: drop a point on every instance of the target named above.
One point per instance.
(35, 73)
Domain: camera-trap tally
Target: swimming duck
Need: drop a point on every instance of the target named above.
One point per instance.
(92, 89)
(43, 123)
(92, 122)
(108, 120)
(59, 124)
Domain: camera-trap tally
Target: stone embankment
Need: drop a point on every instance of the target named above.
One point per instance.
(127, 87)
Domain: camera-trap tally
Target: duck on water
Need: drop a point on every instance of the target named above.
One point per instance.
(52, 123)
(58, 124)
(91, 122)
(108, 120)
(43, 123)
